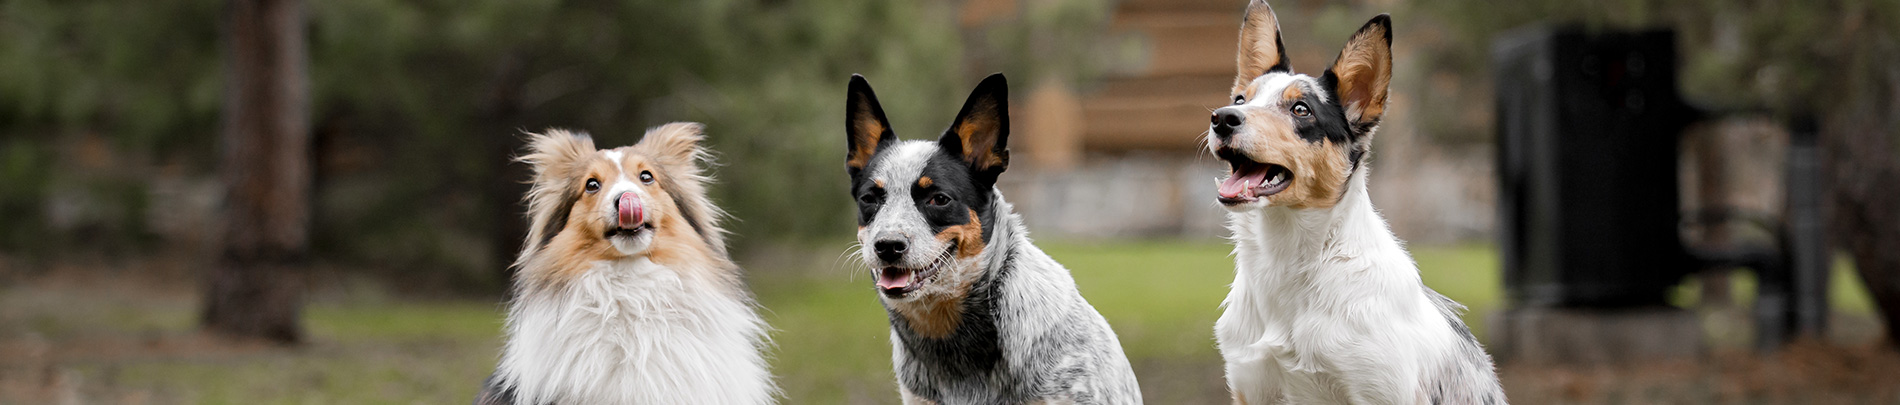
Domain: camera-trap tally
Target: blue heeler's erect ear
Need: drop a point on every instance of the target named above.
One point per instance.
(980, 134)
(866, 130)
(1261, 50)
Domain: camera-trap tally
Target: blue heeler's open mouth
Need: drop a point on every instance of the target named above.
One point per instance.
(895, 281)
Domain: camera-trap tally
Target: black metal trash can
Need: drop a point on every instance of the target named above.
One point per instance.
(1588, 125)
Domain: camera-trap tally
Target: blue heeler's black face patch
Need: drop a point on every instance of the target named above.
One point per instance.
(944, 191)
(922, 204)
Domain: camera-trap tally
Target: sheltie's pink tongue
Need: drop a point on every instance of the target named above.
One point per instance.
(631, 214)
(1241, 182)
(893, 278)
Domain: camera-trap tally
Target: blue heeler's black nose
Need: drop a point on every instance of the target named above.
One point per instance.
(889, 250)
(1225, 120)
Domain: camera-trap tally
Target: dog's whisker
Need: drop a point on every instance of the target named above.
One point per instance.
(852, 257)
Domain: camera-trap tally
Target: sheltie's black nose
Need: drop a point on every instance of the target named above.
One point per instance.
(1224, 121)
(889, 249)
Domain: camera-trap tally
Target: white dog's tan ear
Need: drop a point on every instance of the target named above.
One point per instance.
(1261, 50)
(1363, 72)
(676, 145)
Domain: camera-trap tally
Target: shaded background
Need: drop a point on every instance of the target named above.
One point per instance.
(110, 193)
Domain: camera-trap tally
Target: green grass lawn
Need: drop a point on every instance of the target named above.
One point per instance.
(831, 336)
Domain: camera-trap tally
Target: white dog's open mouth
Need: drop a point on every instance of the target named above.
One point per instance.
(895, 281)
(1250, 180)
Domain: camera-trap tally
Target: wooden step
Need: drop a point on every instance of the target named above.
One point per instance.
(1165, 113)
(1176, 127)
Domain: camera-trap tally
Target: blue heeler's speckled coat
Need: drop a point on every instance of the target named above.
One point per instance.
(978, 314)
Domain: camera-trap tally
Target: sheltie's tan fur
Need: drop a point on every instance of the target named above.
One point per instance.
(627, 305)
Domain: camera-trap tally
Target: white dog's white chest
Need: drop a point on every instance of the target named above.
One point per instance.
(1267, 359)
(631, 334)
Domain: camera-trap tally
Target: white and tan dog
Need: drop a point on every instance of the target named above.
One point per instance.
(1327, 307)
(624, 293)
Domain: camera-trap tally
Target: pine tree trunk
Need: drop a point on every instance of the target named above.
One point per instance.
(255, 290)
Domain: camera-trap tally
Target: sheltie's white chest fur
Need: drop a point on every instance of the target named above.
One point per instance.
(1327, 307)
(633, 332)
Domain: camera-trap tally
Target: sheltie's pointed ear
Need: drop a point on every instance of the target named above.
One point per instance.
(866, 130)
(556, 152)
(1363, 72)
(558, 159)
(676, 146)
(980, 135)
(1261, 50)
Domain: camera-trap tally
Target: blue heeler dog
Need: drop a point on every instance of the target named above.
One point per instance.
(978, 314)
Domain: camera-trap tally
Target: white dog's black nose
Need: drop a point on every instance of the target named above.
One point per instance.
(1225, 120)
(889, 249)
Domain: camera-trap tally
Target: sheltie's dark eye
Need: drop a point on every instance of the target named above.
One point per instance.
(938, 200)
(593, 186)
(1238, 100)
(1300, 110)
(646, 177)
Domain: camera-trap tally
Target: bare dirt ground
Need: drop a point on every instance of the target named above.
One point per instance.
(1806, 373)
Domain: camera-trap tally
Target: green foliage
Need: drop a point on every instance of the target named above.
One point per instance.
(419, 105)
(75, 71)
(766, 79)
(131, 70)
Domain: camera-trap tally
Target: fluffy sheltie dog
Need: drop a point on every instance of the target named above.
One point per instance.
(1326, 306)
(624, 293)
(978, 314)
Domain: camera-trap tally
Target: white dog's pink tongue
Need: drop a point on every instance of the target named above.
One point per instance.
(631, 214)
(1241, 182)
(893, 278)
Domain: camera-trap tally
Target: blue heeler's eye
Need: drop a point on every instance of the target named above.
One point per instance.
(868, 198)
(593, 186)
(1299, 109)
(938, 200)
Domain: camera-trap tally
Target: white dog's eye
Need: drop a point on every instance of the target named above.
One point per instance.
(1299, 109)
(593, 186)
(1238, 100)
(646, 177)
